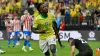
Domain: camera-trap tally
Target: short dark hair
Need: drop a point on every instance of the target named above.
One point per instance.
(38, 6)
(70, 39)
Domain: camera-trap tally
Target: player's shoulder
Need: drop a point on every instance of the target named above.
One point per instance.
(51, 15)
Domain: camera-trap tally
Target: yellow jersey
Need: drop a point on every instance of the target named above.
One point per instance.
(46, 24)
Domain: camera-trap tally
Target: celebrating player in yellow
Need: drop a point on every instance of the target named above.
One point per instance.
(45, 25)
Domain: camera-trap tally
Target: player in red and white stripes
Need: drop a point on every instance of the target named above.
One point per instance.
(27, 22)
(16, 29)
(8, 24)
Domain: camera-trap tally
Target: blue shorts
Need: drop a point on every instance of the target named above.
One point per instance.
(16, 33)
(27, 33)
(9, 33)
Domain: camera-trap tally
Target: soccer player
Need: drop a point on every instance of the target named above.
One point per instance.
(1, 51)
(27, 22)
(16, 29)
(8, 24)
(81, 45)
(44, 25)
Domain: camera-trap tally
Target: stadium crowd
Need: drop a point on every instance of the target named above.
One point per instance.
(73, 12)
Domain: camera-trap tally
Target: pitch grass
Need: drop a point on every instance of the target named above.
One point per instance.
(16, 51)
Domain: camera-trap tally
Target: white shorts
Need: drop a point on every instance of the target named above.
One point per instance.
(45, 44)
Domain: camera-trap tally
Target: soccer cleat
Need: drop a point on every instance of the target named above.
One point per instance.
(17, 43)
(1, 51)
(30, 49)
(24, 49)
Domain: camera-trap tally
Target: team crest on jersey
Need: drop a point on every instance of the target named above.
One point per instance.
(46, 23)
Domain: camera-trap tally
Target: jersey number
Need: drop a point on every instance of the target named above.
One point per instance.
(83, 41)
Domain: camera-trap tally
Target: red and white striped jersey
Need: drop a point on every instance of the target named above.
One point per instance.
(27, 22)
(9, 26)
(16, 25)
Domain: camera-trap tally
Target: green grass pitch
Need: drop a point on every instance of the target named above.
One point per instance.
(16, 51)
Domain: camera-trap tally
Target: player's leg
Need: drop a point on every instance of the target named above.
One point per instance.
(47, 53)
(14, 38)
(9, 34)
(1, 51)
(53, 49)
(52, 44)
(44, 47)
(28, 40)
(18, 38)
(59, 41)
(25, 42)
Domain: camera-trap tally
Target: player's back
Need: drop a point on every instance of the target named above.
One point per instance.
(81, 45)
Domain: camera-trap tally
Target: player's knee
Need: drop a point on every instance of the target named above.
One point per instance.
(47, 53)
(53, 48)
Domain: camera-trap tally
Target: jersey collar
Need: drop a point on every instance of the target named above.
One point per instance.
(43, 16)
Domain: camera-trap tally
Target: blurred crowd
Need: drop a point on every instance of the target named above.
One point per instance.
(70, 12)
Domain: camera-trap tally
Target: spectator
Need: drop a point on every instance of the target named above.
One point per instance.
(67, 17)
(81, 18)
(19, 4)
(73, 14)
(97, 13)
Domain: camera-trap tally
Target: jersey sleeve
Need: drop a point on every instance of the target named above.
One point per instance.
(35, 23)
(73, 43)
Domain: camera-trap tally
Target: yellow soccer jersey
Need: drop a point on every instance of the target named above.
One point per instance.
(45, 24)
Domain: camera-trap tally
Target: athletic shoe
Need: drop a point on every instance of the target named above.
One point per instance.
(23, 48)
(30, 49)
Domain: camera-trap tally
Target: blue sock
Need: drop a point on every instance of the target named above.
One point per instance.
(14, 41)
(28, 42)
(8, 42)
(18, 38)
(25, 42)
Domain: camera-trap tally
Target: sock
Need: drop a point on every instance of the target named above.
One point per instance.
(25, 42)
(28, 42)
(18, 38)
(8, 42)
(14, 41)
(0, 47)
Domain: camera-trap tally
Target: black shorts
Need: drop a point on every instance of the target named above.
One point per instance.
(85, 53)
